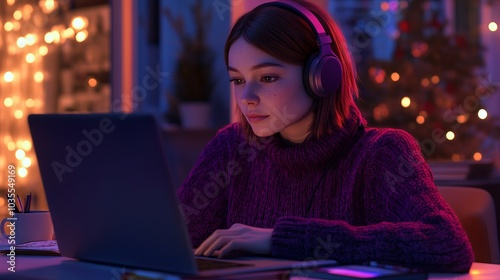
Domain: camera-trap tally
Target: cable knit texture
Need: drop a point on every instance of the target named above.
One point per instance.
(357, 195)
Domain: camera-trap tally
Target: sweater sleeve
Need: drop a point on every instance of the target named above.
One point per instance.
(203, 194)
(406, 219)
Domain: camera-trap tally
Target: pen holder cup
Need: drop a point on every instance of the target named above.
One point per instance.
(27, 227)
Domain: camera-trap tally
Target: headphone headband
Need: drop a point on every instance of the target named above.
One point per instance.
(322, 71)
(313, 21)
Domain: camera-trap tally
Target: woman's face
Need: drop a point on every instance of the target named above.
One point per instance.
(269, 92)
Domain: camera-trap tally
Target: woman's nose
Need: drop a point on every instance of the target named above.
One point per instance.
(249, 95)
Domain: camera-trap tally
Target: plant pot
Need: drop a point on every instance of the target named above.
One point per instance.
(196, 115)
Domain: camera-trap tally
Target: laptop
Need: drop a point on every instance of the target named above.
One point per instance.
(112, 201)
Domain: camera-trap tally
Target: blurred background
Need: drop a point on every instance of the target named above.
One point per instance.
(430, 67)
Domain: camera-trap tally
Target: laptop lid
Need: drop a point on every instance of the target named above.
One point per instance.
(111, 197)
(109, 191)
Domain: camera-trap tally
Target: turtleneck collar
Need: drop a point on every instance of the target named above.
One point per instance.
(314, 154)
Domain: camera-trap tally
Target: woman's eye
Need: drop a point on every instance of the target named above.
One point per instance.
(269, 79)
(236, 81)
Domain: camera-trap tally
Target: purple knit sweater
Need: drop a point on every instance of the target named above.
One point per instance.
(358, 195)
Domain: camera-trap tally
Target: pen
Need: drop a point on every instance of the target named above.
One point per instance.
(27, 204)
(20, 206)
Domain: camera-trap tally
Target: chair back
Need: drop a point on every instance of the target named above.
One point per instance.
(475, 209)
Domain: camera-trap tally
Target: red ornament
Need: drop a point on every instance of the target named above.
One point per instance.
(404, 26)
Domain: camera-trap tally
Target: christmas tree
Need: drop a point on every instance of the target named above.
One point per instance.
(432, 87)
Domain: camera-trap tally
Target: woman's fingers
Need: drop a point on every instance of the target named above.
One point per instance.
(208, 246)
(237, 237)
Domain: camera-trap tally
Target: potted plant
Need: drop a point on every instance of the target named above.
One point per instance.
(193, 83)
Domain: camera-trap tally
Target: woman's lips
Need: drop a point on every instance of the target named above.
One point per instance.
(256, 118)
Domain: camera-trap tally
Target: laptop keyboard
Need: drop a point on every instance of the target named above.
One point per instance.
(209, 264)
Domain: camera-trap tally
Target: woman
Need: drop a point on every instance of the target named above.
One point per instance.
(300, 175)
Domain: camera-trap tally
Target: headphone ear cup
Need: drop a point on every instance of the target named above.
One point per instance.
(306, 74)
(322, 75)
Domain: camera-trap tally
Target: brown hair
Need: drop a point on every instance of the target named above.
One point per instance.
(287, 36)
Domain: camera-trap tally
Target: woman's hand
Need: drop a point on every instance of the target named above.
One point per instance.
(237, 237)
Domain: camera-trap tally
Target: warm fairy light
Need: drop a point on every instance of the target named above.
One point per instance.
(18, 114)
(423, 114)
(26, 162)
(8, 26)
(30, 103)
(20, 154)
(450, 135)
(16, 25)
(425, 82)
(482, 114)
(493, 26)
(22, 172)
(477, 156)
(11, 2)
(405, 102)
(420, 119)
(19, 144)
(7, 139)
(26, 145)
(17, 15)
(92, 82)
(21, 42)
(57, 36)
(456, 157)
(8, 77)
(11, 146)
(461, 119)
(8, 102)
(30, 58)
(43, 50)
(27, 9)
(81, 36)
(49, 37)
(435, 79)
(395, 76)
(48, 6)
(79, 23)
(68, 33)
(38, 77)
(30, 39)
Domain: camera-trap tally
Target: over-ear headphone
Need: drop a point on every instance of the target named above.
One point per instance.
(322, 71)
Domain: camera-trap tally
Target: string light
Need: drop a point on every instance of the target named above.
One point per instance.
(20, 154)
(8, 26)
(477, 156)
(81, 36)
(29, 29)
(492, 26)
(22, 172)
(395, 77)
(461, 119)
(8, 102)
(482, 114)
(450, 135)
(425, 82)
(406, 102)
(8, 77)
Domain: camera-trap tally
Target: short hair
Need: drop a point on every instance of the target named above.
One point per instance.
(287, 36)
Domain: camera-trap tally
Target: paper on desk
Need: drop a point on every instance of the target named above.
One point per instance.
(42, 248)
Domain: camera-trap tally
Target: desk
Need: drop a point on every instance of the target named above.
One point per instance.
(55, 268)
